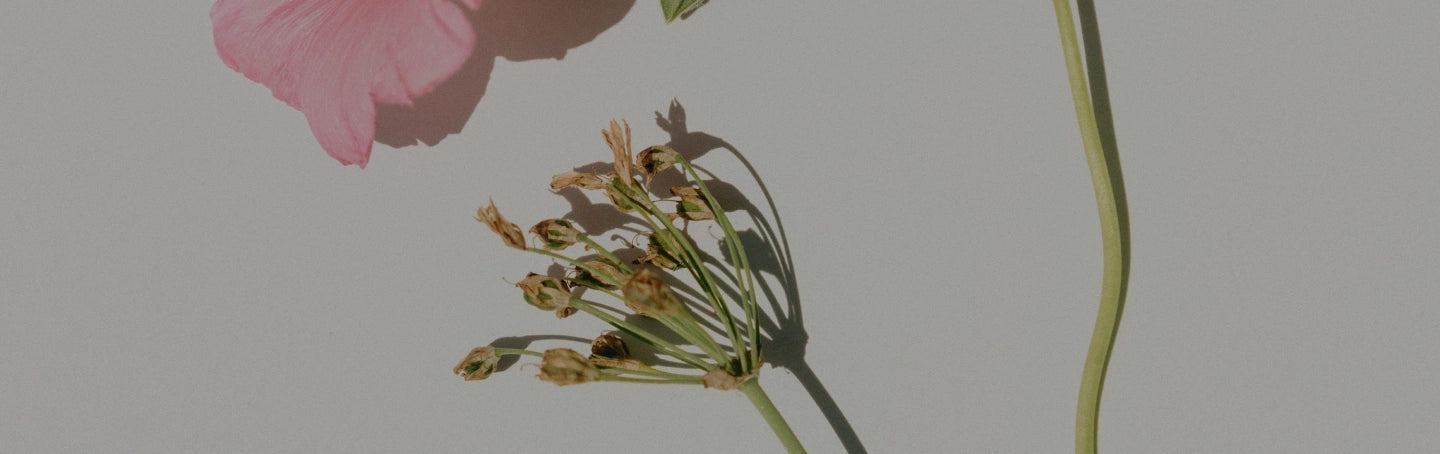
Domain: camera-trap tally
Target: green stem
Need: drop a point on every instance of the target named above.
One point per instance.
(652, 381)
(742, 265)
(1098, 134)
(751, 388)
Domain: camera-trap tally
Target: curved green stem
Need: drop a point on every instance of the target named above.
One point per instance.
(1092, 110)
(751, 388)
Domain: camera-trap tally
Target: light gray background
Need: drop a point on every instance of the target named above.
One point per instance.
(182, 269)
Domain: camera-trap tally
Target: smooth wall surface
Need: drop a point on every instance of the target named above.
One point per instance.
(182, 269)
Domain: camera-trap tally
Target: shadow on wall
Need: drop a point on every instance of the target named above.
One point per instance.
(517, 30)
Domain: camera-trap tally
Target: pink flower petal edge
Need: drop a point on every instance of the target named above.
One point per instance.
(334, 59)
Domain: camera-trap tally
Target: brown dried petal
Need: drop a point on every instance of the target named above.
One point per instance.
(619, 142)
(479, 364)
(507, 230)
(693, 205)
(647, 294)
(544, 292)
(563, 366)
(556, 234)
(721, 379)
(577, 179)
(656, 159)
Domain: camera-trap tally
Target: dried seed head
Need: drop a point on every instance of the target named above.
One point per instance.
(605, 275)
(609, 346)
(693, 205)
(577, 179)
(656, 159)
(619, 142)
(648, 295)
(507, 230)
(544, 292)
(479, 364)
(563, 366)
(721, 379)
(556, 234)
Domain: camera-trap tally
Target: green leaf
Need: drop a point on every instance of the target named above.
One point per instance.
(673, 9)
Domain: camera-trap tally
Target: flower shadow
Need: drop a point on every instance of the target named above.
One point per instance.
(782, 323)
(517, 30)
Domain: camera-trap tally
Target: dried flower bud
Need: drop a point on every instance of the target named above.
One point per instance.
(658, 252)
(721, 379)
(647, 294)
(693, 205)
(620, 145)
(479, 364)
(619, 196)
(656, 159)
(605, 275)
(544, 292)
(498, 224)
(557, 234)
(577, 179)
(563, 366)
(609, 346)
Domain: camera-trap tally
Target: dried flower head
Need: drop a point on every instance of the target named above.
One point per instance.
(563, 366)
(648, 295)
(576, 179)
(479, 364)
(605, 275)
(545, 292)
(692, 205)
(609, 346)
(507, 230)
(556, 234)
(656, 159)
(619, 142)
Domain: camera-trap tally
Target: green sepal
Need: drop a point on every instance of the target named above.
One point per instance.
(673, 9)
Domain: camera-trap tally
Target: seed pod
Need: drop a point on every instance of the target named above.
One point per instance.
(544, 292)
(609, 346)
(479, 364)
(563, 366)
(693, 205)
(556, 234)
(605, 275)
(648, 295)
(656, 159)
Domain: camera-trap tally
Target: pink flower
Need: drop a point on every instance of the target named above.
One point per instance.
(335, 59)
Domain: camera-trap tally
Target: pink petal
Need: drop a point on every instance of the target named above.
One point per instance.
(334, 59)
